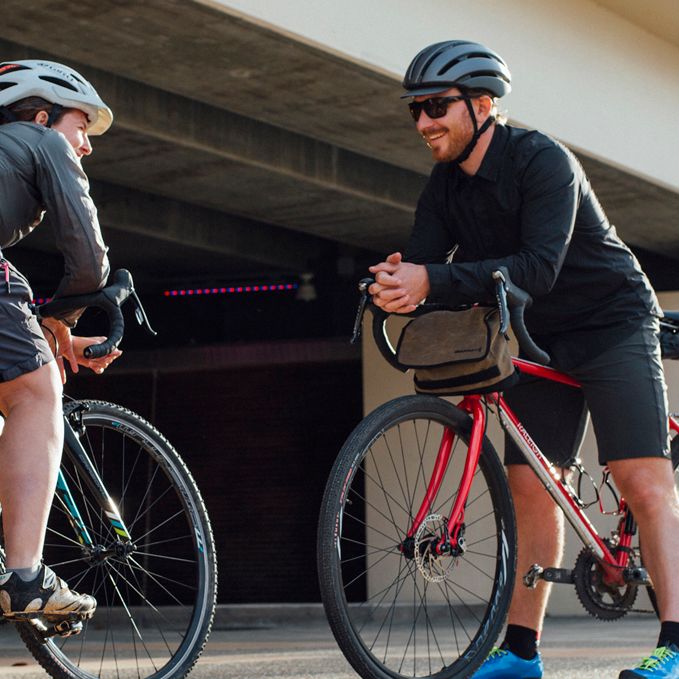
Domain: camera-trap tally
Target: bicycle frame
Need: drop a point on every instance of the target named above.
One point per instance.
(562, 493)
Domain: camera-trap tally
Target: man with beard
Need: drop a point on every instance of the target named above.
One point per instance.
(504, 196)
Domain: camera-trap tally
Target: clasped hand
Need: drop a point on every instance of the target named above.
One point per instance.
(399, 286)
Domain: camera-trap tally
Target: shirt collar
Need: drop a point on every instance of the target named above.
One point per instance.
(490, 165)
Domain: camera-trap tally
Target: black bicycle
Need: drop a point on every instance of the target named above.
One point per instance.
(128, 525)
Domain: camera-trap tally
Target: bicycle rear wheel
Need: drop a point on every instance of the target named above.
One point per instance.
(156, 602)
(394, 612)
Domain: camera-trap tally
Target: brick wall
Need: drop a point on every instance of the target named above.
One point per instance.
(259, 441)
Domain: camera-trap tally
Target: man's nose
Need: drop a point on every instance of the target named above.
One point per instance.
(423, 122)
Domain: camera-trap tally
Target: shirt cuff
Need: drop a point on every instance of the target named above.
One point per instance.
(439, 281)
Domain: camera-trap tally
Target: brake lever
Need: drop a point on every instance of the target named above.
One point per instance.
(363, 286)
(140, 314)
(501, 296)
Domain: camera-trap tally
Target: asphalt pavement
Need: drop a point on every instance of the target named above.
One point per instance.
(277, 642)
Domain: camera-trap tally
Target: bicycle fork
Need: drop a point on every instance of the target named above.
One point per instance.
(74, 449)
(452, 542)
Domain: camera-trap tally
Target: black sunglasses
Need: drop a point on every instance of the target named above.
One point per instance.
(436, 107)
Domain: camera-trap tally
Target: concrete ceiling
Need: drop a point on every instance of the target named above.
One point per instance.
(238, 151)
(659, 17)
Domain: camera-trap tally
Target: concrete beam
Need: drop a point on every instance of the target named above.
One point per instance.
(188, 123)
(125, 209)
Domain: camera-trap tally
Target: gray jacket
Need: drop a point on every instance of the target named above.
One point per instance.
(40, 172)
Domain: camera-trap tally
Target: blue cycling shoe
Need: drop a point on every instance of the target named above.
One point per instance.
(502, 664)
(663, 664)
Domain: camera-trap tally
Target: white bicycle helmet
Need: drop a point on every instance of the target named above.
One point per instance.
(56, 83)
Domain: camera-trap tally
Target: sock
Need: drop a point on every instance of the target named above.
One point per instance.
(521, 641)
(669, 633)
(27, 574)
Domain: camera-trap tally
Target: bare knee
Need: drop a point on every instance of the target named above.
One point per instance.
(647, 484)
(39, 390)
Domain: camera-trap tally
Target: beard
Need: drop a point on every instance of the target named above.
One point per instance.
(448, 148)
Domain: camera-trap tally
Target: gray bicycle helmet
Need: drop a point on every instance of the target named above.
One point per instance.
(466, 65)
(56, 83)
(457, 63)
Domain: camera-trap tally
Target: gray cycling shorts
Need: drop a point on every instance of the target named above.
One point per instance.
(23, 347)
(624, 391)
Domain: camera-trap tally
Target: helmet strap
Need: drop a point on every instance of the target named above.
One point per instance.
(6, 116)
(478, 131)
(54, 114)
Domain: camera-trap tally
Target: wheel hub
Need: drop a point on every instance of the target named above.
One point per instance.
(99, 553)
(432, 564)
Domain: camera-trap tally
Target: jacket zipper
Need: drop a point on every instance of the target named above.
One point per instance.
(4, 264)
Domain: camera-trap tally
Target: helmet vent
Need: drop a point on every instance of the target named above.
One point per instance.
(10, 68)
(59, 81)
(4, 86)
(491, 74)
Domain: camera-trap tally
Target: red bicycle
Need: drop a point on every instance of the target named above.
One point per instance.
(417, 535)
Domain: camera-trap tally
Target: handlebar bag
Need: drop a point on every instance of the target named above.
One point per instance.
(456, 352)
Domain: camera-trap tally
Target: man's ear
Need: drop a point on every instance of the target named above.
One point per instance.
(41, 117)
(484, 106)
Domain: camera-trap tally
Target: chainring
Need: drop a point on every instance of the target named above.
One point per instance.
(601, 601)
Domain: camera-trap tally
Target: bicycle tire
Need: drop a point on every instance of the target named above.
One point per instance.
(674, 448)
(376, 598)
(133, 632)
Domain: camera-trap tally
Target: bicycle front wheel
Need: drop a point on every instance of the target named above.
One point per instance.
(156, 598)
(395, 608)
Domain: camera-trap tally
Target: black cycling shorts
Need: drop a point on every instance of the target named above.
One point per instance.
(23, 347)
(624, 391)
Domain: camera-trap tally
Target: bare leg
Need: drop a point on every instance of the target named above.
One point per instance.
(648, 486)
(538, 542)
(30, 451)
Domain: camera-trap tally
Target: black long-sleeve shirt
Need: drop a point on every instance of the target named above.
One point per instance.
(39, 171)
(530, 208)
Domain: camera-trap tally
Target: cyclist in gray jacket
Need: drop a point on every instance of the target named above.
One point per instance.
(47, 112)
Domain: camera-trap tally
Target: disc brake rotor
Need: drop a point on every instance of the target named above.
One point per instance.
(433, 566)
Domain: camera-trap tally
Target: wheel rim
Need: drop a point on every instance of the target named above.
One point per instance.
(413, 614)
(152, 598)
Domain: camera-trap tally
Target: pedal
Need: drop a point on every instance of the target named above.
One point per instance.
(561, 576)
(65, 628)
(530, 579)
(637, 576)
